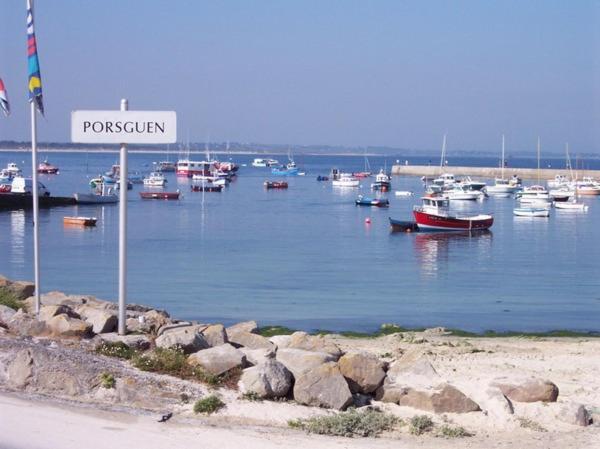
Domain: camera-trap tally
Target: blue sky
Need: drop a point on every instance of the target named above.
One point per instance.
(353, 73)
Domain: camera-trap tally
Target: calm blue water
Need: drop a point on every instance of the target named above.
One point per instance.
(305, 257)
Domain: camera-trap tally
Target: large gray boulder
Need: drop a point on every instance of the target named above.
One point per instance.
(135, 341)
(6, 313)
(443, 398)
(245, 326)
(187, 338)
(218, 360)
(20, 369)
(102, 321)
(250, 341)
(269, 379)
(24, 324)
(215, 335)
(323, 386)
(574, 413)
(49, 312)
(530, 390)
(65, 326)
(281, 341)
(302, 340)
(299, 361)
(20, 289)
(363, 371)
(258, 356)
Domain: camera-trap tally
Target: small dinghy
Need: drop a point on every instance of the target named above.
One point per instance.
(571, 205)
(403, 193)
(207, 188)
(80, 221)
(531, 212)
(275, 185)
(377, 202)
(403, 225)
(160, 195)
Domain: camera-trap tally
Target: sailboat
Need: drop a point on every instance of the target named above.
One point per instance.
(444, 180)
(502, 187)
(166, 166)
(536, 195)
(367, 172)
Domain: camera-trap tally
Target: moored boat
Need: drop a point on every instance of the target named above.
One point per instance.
(206, 188)
(322, 178)
(13, 169)
(166, 166)
(102, 195)
(275, 185)
(366, 201)
(403, 225)
(160, 195)
(80, 221)
(462, 193)
(531, 212)
(155, 179)
(571, 205)
(288, 170)
(434, 215)
(345, 180)
(47, 168)
(382, 182)
(403, 193)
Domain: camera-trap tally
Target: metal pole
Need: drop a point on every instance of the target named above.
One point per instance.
(36, 210)
(123, 232)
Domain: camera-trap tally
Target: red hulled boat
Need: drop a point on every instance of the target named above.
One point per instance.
(47, 168)
(434, 215)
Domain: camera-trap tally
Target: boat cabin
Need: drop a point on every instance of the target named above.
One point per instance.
(435, 203)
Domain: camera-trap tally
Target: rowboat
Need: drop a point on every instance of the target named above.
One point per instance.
(160, 195)
(531, 212)
(403, 226)
(206, 188)
(434, 215)
(378, 202)
(571, 205)
(80, 221)
(275, 185)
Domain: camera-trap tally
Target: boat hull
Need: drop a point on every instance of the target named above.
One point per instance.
(80, 221)
(531, 212)
(433, 222)
(160, 195)
(91, 198)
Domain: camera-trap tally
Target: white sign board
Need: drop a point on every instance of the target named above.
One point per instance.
(123, 127)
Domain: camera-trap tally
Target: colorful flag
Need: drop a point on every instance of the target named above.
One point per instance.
(35, 79)
(4, 99)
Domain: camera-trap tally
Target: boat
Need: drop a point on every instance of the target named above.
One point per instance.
(502, 187)
(403, 193)
(434, 215)
(262, 162)
(531, 212)
(558, 182)
(322, 178)
(155, 179)
(345, 180)
(5, 188)
(562, 193)
(472, 184)
(129, 184)
(5, 176)
(382, 182)
(587, 186)
(276, 185)
(366, 201)
(13, 169)
(534, 194)
(206, 188)
(166, 166)
(367, 170)
(572, 205)
(403, 225)
(102, 195)
(463, 193)
(135, 177)
(285, 170)
(160, 195)
(80, 221)
(446, 180)
(189, 168)
(47, 168)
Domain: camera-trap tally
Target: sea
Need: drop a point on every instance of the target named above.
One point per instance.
(306, 257)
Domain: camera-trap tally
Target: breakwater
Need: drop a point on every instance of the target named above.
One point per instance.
(490, 172)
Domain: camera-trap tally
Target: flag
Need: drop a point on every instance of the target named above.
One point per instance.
(4, 99)
(35, 78)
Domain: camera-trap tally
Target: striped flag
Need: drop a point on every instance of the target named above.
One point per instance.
(35, 78)
(4, 99)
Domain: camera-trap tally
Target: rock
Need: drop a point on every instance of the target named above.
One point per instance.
(218, 360)
(281, 341)
(443, 399)
(494, 403)
(56, 299)
(215, 335)
(65, 326)
(407, 372)
(49, 312)
(269, 379)
(363, 371)
(25, 324)
(21, 289)
(257, 356)
(323, 386)
(573, 413)
(135, 341)
(250, 341)
(154, 320)
(4, 282)
(436, 331)
(171, 326)
(20, 370)
(531, 390)
(187, 338)
(102, 321)
(299, 361)
(6, 313)
(301, 340)
(245, 326)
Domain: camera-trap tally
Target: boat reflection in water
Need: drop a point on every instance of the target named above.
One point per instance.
(17, 240)
(434, 249)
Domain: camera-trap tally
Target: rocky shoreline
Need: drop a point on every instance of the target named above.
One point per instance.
(493, 387)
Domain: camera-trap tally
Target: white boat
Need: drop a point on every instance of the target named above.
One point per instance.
(558, 182)
(259, 162)
(463, 193)
(531, 212)
(562, 193)
(102, 195)
(13, 169)
(472, 184)
(445, 180)
(587, 186)
(155, 179)
(502, 187)
(346, 180)
(383, 182)
(5, 176)
(403, 193)
(534, 194)
(571, 205)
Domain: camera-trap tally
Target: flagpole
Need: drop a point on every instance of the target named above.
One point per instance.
(122, 327)
(36, 211)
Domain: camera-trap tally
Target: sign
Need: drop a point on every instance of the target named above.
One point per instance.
(123, 127)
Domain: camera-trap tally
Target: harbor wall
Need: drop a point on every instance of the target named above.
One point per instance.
(490, 172)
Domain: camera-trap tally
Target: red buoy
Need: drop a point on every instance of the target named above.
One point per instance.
(367, 220)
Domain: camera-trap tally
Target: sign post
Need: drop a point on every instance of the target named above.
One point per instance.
(123, 127)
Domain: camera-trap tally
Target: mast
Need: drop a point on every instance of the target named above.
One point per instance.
(502, 167)
(443, 153)
(538, 159)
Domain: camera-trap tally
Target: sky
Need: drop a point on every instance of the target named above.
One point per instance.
(352, 73)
